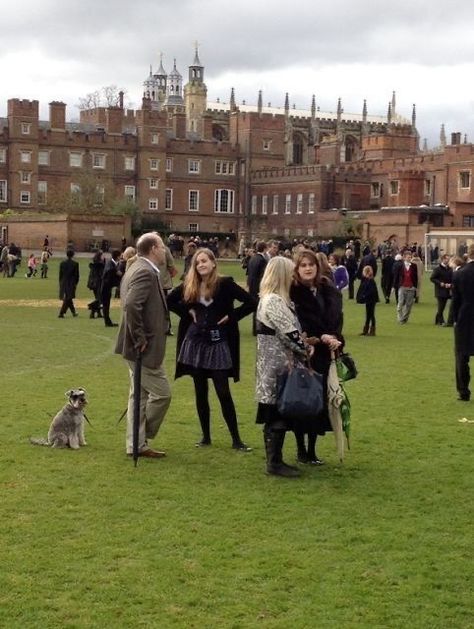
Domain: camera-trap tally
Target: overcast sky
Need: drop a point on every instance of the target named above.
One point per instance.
(353, 49)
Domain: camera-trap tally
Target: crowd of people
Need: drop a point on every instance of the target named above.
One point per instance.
(296, 300)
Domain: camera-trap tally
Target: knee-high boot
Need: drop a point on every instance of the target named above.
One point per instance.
(273, 446)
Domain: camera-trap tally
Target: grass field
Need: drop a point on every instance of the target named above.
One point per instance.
(204, 538)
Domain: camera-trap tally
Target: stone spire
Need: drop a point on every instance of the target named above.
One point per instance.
(465, 138)
(196, 61)
(196, 69)
(161, 71)
(394, 103)
(364, 111)
(389, 113)
(413, 116)
(287, 104)
(233, 106)
(425, 145)
(313, 107)
(442, 136)
(339, 109)
(260, 101)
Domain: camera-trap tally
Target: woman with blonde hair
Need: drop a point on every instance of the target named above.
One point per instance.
(208, 343)
(278, 338)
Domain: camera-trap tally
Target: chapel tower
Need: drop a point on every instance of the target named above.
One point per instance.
(195, 96)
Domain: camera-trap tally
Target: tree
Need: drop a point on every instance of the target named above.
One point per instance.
(108, 96)
(90, 193)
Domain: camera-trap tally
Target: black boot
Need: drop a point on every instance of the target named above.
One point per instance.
(302, 454)
(312, 456)
(364, 331)
(273, 446)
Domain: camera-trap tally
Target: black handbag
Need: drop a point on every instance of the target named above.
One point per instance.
(300, 393)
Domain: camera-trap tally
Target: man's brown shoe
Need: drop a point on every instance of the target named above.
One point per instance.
(150, 454)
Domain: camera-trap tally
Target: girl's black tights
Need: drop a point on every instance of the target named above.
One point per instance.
(221, 385)
(370, 315)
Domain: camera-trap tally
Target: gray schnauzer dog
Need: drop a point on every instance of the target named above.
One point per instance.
(67, 427)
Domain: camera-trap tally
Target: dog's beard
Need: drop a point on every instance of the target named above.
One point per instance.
(78, 403)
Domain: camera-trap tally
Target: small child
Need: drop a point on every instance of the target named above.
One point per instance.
(368, 295)
(45, 255)
(31, 266)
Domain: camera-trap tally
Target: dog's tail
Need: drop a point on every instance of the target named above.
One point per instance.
(39, 442)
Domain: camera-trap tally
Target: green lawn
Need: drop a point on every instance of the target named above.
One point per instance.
(204, 538)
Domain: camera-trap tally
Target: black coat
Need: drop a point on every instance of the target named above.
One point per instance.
(255, 270)
(463, 309)
(96, 270)
(367, 260)
(68, 278)
(367, 293)
(319, 314)
(110, 277)
(222, 305)
(351, 265)
(387, 268)
(442, 275)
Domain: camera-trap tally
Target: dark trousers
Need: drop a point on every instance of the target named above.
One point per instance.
(221, 385)
(370, 314)
(106, 297)
(387, 284)
(441, 306)
(351, 288)
(67, 304)
(463, 375)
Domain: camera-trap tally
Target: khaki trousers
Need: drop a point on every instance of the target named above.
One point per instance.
(155, 398)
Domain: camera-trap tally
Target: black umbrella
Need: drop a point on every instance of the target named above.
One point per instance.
(137, 384)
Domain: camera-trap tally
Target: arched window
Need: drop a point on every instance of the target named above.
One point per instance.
(218, 133)
(350, 149)
(297, 149)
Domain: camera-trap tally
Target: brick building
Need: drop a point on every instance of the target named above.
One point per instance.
(190, 165)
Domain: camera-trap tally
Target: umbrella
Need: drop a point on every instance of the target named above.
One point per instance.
(137, 384)
(338, 408)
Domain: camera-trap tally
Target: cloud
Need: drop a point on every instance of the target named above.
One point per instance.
(355, 50)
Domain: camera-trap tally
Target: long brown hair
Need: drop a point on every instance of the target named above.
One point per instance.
(310, 255)
(192, 281)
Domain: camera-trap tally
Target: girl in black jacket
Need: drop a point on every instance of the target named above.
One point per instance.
(208, 338)
(368, 295)
(318, 306)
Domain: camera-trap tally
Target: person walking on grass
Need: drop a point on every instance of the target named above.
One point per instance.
(110, 279)
(368, 294)
(143, 327)
(387, 275)
(44, 259)
(463, 318)
(208, 345)
(351, 266)
(68, 280)
(442, 278)
(279, 338)
(31, 264)
(406, 279)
